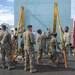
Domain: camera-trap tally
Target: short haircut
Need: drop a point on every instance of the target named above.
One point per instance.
(39, 30)
(15, 28)
(29, 26)
(67, 27)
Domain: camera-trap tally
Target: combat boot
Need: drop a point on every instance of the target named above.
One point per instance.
(11, 67)
(3, 66)
(51, 64)
(26, 69)
(49, 54)
(39, 63)
(54, 65)
(33, 70)
(22, 59)
(43, 53)
(73, 54)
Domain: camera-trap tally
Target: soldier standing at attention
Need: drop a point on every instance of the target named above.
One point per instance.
(29, 41)
(53, 45)
(6, 47)
(39, 44)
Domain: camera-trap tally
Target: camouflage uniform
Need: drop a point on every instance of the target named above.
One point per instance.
(67, 38)
(22, 46)
(16, 34)
(53, 45)
(48, 40)
(1, 35)
(6, 47)
(44, 42)
(28, 39)
(39, 47)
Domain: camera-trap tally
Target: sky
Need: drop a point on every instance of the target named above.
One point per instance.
(7, 11)
(73, 9)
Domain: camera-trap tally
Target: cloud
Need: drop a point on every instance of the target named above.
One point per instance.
(6, 16)
(0, 5)
(73, 9)
(10, 0)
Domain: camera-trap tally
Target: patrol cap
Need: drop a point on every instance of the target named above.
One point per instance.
(39, 30)
(55, 34)
(29, 26)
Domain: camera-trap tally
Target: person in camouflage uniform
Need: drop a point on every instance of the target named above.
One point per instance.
(6, 46)
(53, 45)
(16, 35)
(22, 46)
(67, 39)
(29, 41)
(44, 42)
(39, 44)
(48, 39)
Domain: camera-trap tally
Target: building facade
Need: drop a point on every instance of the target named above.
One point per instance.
(40, 13)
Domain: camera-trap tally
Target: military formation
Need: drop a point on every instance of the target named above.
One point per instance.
(41, 41)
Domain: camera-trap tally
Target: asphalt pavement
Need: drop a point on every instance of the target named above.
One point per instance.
(44, 69)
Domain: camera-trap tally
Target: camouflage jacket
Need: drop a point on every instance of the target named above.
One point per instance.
(1, 35)
(54, 43)
(39, 42)
(6, 42)
(67, 38)
(28, 40)
(44, 39)
(48, 35)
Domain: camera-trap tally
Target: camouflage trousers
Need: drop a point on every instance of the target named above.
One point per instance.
(53, 56)
(44, 47)
(40, 51)
(23, 52)
(67, 49)
(48, 44)
(47, 47)
(29, 59)
(6, 53)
